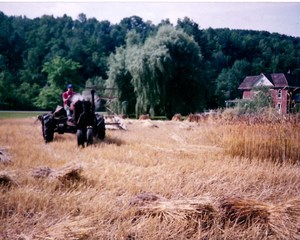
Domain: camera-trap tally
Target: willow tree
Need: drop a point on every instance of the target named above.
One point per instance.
(146, 67)
(119, 83)
(178, 71)
(119, 76)
(130, 74)
(164, 72)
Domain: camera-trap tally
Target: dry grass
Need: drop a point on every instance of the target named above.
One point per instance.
(278, 142)
(158, 180)
(4, 155)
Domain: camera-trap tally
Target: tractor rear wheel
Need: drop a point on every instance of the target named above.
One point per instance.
(48, 134)
(47, 128)
(89, 136)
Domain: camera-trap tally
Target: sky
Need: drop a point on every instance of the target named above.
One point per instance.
(279, 17)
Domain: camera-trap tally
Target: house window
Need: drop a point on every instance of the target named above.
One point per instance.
(279, 93)
(279, 107)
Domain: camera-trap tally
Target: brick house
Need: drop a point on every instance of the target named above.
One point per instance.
(285, 90)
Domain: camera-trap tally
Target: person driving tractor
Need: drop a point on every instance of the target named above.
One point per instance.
(67, 100)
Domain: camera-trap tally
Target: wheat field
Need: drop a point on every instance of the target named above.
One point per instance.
(157, 180)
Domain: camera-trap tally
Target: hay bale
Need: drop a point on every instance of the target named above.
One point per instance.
(245, 211)
(4, 157)
(144, 198)
(192, 213)
(41, 172)
(194, 118)
(68, 174)
(144, 117)
(7, 180)
(177, 117)
(196, 210)
(70, 227)
(198, 117)
(280, 220)
(123, 116)
(284, 220)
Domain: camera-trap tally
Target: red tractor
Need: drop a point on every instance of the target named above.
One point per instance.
(85, 122)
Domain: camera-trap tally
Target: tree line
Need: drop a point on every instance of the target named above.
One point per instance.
(159, 69)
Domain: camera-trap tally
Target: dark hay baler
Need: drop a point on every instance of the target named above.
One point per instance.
(85, 122)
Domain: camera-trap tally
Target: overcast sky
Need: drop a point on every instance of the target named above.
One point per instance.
(280, 17)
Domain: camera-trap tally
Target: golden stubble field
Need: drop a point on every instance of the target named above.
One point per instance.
(157, 180)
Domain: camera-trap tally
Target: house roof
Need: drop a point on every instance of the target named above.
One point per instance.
(278, 80)
(249, 82)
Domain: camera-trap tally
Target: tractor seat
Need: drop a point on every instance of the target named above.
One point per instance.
(70, 123)
(59, 112)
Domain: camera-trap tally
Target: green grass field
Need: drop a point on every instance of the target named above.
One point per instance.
(19, 114)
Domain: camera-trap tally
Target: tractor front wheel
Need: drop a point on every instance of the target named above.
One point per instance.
(80, 137)
(89, 136)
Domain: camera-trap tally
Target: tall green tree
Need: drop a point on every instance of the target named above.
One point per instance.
(7, 97)
(141, 62)
(229, 80)
(166, 73)
(27, 44)
(60, 72)
(184, 88)
(119, 83)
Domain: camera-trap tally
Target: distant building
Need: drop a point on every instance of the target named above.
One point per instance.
(285, 90)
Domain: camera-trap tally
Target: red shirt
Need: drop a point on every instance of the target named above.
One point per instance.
(67, 97)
